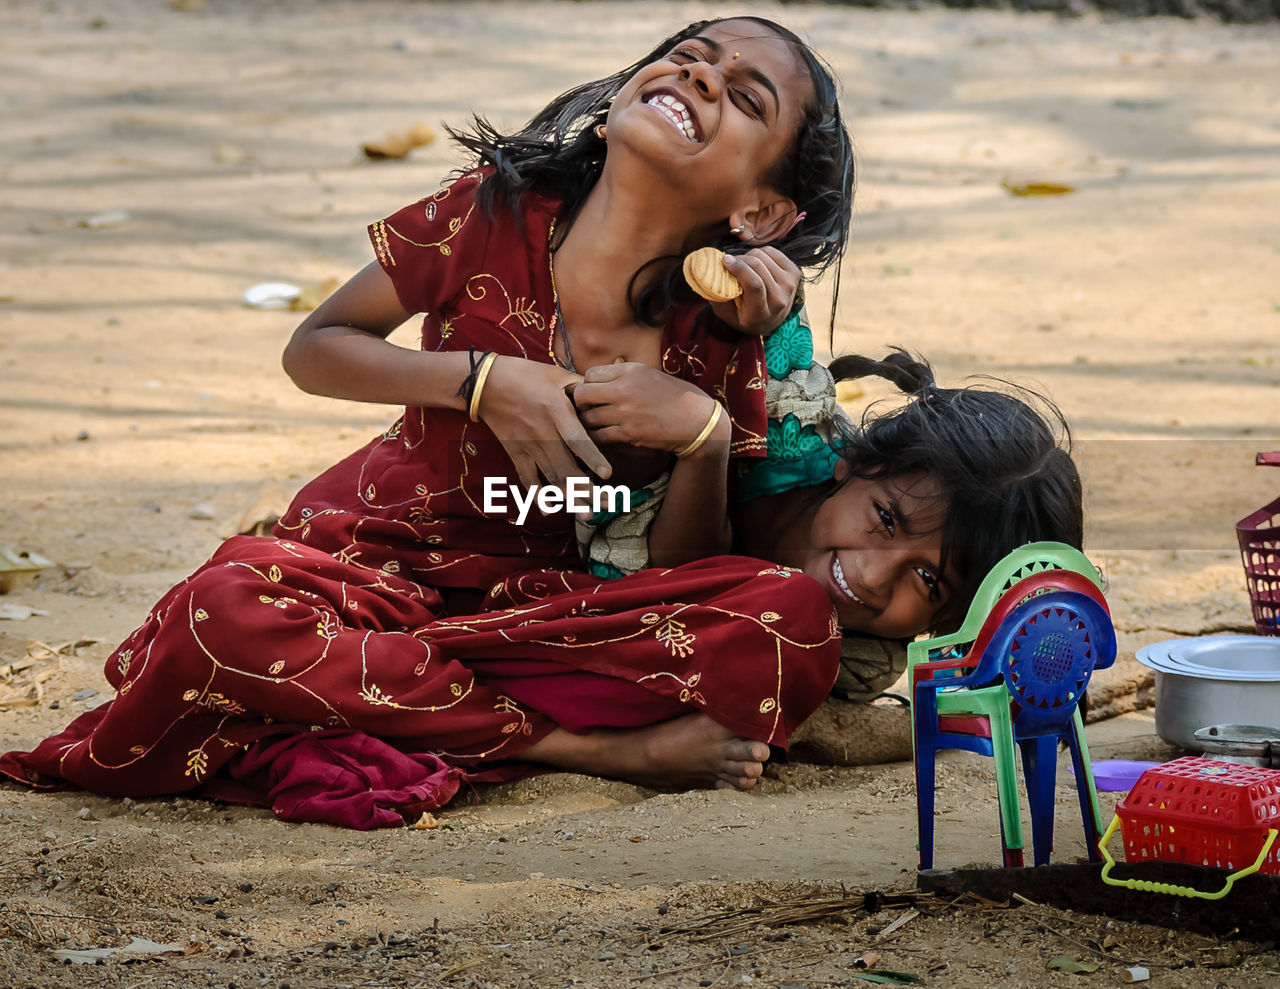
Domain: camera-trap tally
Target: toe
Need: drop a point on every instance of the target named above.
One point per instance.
(746, 750)
(750, 770)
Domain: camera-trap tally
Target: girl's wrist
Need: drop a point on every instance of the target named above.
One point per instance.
(711, 439)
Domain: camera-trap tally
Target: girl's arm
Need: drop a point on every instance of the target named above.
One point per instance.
(636, 404)
(693, 522)
(341, 350)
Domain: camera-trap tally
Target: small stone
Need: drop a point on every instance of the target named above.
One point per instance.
(84, 695)
(606, 956)
(203, 511)
(246, 887)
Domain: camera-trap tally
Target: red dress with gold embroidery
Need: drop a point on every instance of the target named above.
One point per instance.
(339, 620)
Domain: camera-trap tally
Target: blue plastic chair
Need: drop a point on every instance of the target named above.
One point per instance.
(1025, 686)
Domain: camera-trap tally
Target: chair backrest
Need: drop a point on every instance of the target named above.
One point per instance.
(1047, 649)
(1024, 562)
(1028, 560)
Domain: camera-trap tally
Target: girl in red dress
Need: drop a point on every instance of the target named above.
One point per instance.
(394, 636)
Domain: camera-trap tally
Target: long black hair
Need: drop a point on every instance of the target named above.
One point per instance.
(558, 153)
(1000, 458)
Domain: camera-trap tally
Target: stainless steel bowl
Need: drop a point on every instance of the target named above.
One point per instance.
(1251, 745)
(1213, 680)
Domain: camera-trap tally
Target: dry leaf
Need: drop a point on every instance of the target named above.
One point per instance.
(391, 146)
(229, 154)
(399, 145)
(848, 391)
(1063, 963)
(420, 135)
(1038, 188)
(312, 295)
(258, 515)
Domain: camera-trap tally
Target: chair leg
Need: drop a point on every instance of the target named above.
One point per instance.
(1086, 788)
(1007, 783)
(1040, 766)
(925, 763)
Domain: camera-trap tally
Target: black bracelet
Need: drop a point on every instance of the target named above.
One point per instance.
(468, 386)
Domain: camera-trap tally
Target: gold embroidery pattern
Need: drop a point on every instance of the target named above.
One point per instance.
(197, 763)
(222, 704)
(442, 245)
(672, 634)
(381, 247)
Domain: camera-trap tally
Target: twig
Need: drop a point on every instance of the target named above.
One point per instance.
(728, 967)
(693, 965)
(907, 917)
(584, 889)
(1101, 952)
(35, 927)
(461, 967)
(69, 916)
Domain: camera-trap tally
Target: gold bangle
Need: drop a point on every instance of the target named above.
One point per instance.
(474, 409)
(707, 430)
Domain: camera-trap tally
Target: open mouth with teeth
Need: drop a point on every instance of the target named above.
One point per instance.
(675, 111)
(837, 575)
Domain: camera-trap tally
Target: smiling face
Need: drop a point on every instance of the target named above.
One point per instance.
(716, 114)
(875, 545)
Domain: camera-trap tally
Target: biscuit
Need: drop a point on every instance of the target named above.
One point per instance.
(705, 273)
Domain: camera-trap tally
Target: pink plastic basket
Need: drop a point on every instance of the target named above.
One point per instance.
(1203, 812)
(1259, 536)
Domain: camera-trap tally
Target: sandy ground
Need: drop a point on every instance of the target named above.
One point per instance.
(137, 388)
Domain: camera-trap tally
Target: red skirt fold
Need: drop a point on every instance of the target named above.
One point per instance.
(274, 639)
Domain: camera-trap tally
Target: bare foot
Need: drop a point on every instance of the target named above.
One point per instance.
(687, 752)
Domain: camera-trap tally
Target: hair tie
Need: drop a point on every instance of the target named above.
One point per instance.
(927, 395)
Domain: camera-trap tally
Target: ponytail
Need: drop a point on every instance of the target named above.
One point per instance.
(914, 377)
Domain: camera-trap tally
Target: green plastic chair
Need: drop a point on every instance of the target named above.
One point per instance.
(953, 652)
(1023, 562)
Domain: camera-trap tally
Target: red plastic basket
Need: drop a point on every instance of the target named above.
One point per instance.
(1203, 812)
(1259, 536)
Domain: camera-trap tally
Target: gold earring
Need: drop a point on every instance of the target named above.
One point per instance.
(599, 130)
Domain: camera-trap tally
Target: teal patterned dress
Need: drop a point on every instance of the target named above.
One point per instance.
(803, 436)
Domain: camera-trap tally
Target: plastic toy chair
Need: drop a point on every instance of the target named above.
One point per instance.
(1022, 680)
(1032, 569)
(1023, 562)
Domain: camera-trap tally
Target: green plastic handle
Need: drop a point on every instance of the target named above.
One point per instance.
(1146, 886)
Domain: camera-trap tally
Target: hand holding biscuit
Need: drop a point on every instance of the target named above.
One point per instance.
(766, 285)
